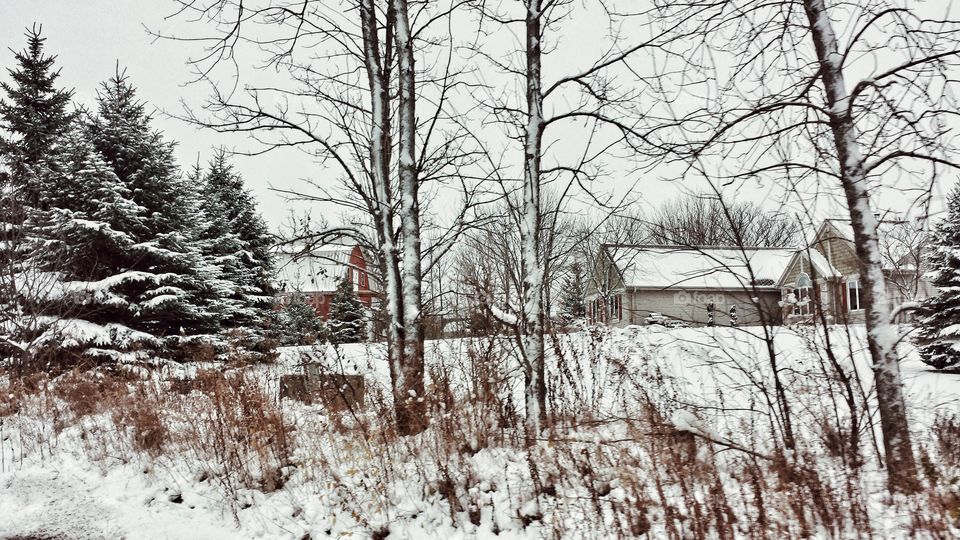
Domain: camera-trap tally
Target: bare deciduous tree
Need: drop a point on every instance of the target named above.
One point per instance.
(821, 112)
(706, 220)
(349, 94)
(590, 96)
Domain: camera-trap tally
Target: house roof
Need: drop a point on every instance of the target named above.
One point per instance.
(840, 225)
(320, 270)
(820, 263)
(663, 267)
(899, 239)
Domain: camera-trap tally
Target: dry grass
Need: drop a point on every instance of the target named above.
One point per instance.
(591, 476)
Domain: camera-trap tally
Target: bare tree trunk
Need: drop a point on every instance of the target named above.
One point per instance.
(408, 388)
(405, 341)
(530, 224)
(882, 334)
(380, 144)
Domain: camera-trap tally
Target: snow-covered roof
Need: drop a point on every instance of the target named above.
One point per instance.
(899, 239)
(662, 267)
(321, 270)
(842, 227)
(820, 263)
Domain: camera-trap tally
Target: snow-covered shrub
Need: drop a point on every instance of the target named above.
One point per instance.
(939, 328)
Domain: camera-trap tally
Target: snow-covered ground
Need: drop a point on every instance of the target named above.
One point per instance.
(77, 479)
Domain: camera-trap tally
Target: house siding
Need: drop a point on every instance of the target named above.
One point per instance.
(838, 252)
(691, 306)
(832, 292)
(609, 302)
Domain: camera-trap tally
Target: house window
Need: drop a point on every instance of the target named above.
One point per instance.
(614, 307)
(854, 295)
(595, 310)
(802, 293)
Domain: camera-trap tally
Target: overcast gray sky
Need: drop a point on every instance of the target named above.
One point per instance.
(91, 37)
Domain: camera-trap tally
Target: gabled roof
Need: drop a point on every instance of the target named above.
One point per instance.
(320, 270)
(899, 239)
(841, 226)
(819, 262)
(664, 267)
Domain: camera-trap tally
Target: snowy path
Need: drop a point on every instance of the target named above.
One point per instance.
(50, 504)
(67, 502)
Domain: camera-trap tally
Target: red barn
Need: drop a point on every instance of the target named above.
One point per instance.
(317, 274)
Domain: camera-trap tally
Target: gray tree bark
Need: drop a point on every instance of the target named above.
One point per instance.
(882, 334)
(402, 274)
(530, 224)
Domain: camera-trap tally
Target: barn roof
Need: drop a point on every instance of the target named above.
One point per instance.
(663, 267)
(320, 270)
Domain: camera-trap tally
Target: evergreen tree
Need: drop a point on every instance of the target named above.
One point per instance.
(347, 321)
(89, 213)
(939, 329)
(34, 116)
(234, 237)
(211, 237)
(177, 302)
(87, 247)
(574, 290)
(297, 323)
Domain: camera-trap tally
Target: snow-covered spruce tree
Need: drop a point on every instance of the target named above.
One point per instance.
(939, 330)
(34, 116)
(218, 295)
(234, 236)
(87, 247)
(177, 304)
(297, 322)
(347, 321)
